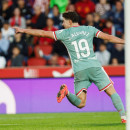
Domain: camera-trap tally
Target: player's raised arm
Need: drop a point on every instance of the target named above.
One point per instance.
(35, 32)
(111, 38)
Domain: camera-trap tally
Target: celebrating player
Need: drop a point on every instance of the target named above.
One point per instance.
(87, 69)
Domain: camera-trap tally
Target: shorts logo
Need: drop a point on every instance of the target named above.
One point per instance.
(7, 98)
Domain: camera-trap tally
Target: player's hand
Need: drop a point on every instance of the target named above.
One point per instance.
(18, 30)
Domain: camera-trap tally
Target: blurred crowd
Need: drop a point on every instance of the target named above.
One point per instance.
(26, 50)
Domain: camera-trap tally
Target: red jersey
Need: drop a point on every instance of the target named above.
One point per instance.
(84, 7)
(47, 41)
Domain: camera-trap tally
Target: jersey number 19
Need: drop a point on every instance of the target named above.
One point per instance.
(78, 46)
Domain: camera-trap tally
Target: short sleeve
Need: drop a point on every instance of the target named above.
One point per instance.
(59, 35)
(96, 32)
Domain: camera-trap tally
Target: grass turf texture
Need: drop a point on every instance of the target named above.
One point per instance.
(62, 121)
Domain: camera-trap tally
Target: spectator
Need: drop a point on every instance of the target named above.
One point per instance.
(17, 58)
(117, 17)
(20, 43)
(114, 62)
(29, 38)
(89, 20)
(54, 60)
(26, 10)
(103, 55)
(1, 22)
(83, 7)
(14, 2)
(50, 27)
(6, 10)
(110, 29)
(109, 45)
(2, 62)
(17, 19)
(39, 19)
(102, 8)
(4, 45)
(30, 2)
(30, 43)
(97, 22)
(44, 4)
(122, 1)
(118, 53)
(57, 47)
(56, 16)
(111, 21)
(7, 32)
(61, 4)
(71, 7)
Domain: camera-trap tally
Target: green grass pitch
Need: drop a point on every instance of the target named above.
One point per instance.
(62, 121)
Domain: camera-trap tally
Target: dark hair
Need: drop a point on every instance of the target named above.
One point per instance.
(4, 1)
(70, 15)
(109, 20)
(56, 7)
(49, 18)
(118, 1)
(16, 46)
(6, 22)
(102, 44)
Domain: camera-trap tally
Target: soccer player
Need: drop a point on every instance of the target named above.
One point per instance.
(87, 69)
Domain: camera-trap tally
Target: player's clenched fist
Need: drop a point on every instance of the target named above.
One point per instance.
(18, 30)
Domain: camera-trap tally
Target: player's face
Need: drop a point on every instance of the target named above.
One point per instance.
(66, 23)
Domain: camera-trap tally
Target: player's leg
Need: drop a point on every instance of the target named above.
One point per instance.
(111, 92)
(81, 83)
(104, 83)
(77, 100)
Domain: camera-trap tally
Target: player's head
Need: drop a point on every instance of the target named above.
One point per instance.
(69, 18)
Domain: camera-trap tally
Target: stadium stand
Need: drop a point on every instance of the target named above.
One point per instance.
(106, 15)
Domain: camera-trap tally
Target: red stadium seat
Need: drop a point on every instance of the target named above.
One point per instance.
(30, 50)
(36, 51)
(36, 62)
(9, 63)
(46, 50)
(61, 61)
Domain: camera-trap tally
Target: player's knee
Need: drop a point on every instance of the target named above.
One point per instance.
(82, 104)
(82, 97)
(110, 90)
